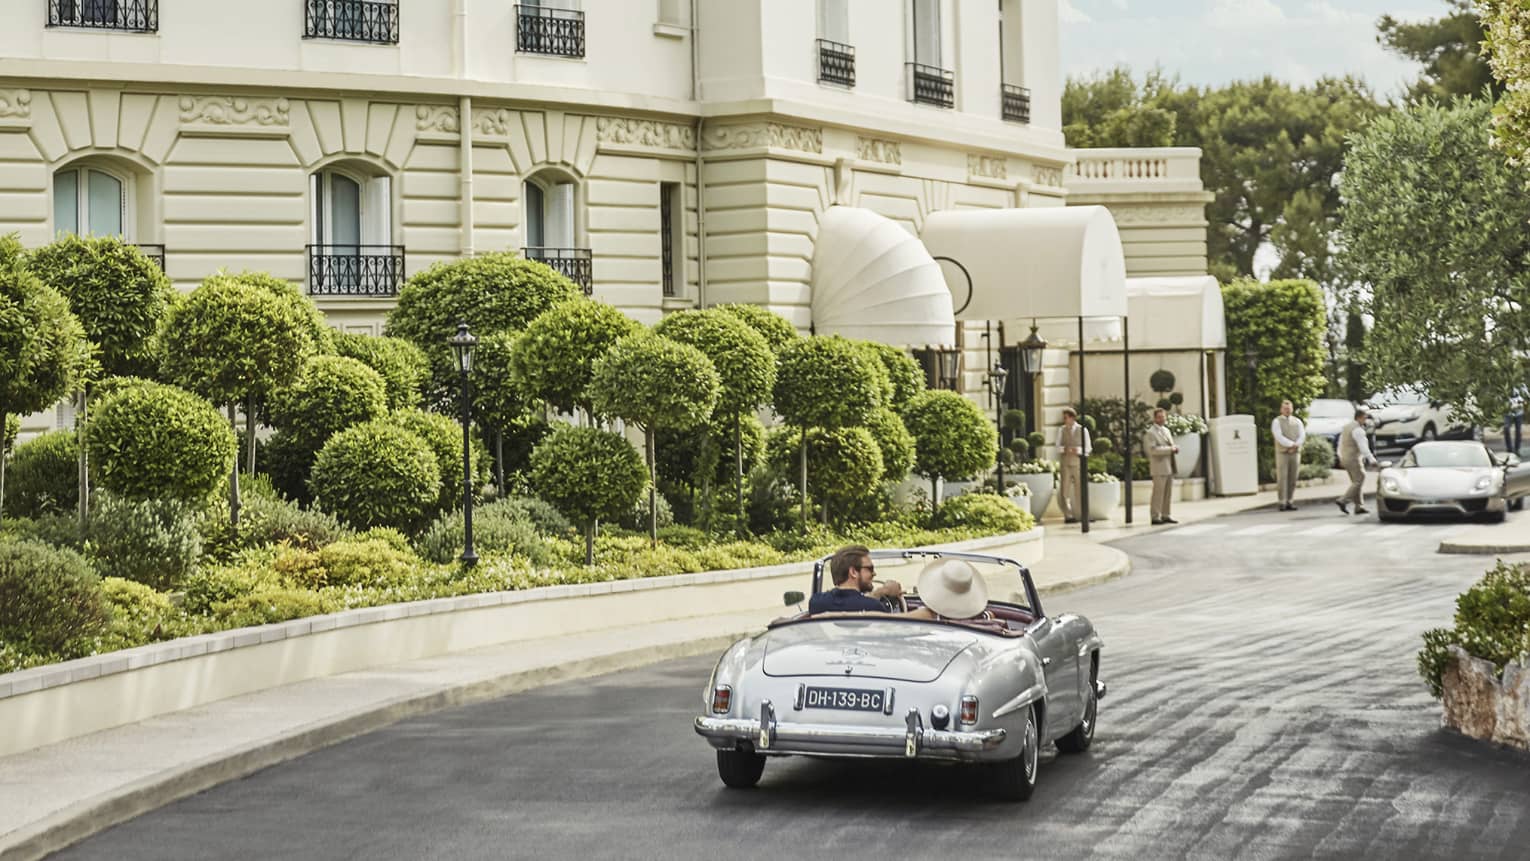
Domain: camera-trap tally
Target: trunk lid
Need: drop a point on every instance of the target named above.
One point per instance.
(864, 648)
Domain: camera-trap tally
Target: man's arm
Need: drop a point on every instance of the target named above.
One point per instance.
(1358, 435)
(1088, 445)
(888, 589)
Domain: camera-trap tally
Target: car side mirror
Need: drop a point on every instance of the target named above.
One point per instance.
(793, 598)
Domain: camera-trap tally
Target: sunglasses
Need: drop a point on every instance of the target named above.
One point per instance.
(871, 568)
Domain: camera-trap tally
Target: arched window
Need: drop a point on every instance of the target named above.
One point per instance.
(353, 252)
(90, 201)
(551, 226)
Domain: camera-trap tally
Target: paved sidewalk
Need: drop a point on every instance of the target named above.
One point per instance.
(1499, 539)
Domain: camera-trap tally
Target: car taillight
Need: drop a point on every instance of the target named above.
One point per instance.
(969, 713)
(722, 699)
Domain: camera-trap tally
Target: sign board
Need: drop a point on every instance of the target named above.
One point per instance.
(1234, 456)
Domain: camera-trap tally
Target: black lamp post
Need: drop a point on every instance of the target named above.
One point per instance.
(948, 360)
(996, 377)
(462, 345)
(1031, 351)
(1252, 355)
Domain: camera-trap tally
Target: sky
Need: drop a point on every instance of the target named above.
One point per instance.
(1216, 41)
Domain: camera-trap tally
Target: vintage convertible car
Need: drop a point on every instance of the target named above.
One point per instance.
(1451, 478)
(988, 691)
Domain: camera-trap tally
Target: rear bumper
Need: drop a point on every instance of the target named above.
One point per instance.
(768, 735)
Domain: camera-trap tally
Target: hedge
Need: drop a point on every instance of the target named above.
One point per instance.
(1283, 324)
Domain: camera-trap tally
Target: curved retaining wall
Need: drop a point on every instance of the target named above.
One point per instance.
(61, 701)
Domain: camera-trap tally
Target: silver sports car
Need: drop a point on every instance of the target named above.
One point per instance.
(1451, 478)
(988, 690)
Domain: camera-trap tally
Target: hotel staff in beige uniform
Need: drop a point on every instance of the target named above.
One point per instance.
(1354, 454)
(1160, 448)
(1073, 450)
(1289, 435)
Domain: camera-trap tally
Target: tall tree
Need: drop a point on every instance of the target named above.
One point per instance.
(1507, 27)
(1449, 48)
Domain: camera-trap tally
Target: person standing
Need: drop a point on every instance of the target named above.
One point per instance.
(1159, 445)
(1289, 434)
(1354, 454)
(1514, 420)
(1073, 451)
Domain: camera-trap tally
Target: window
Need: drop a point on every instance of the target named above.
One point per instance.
(352, 252)
(90, 202)
(1014, 99)
(836, 57)
(549, 27)
(928, 82)
(834, 20)
(670, 12)
(926, 27)
(551, 234)
(669, 233)
(352, 20)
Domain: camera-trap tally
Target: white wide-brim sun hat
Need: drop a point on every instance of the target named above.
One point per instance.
(953, 588)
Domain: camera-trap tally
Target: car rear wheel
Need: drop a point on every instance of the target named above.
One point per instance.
(1015, 779)
(740, 769)
(1082, 735)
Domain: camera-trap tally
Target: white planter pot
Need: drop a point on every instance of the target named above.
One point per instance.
(1040, 486)
(1189, 458)
(1104, 497)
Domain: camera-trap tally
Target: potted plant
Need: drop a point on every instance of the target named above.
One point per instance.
(1104, 495)
(1037, 474)
(1187, 430)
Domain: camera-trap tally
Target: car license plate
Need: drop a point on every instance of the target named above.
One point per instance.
(847, 699)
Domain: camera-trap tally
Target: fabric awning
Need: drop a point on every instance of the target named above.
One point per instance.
(873, 280)
(1176, 313)
(1043, 262)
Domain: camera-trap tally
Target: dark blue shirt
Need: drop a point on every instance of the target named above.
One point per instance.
(843, 600)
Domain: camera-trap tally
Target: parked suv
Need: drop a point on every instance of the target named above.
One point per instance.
(1405, 416)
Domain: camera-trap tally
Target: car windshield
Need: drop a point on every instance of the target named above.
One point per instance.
(1447, 454)
(1327, 408)
(1399, 397)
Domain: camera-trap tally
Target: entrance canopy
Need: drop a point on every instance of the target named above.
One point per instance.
(1176, 313)
(1044, 262)
(872, 280)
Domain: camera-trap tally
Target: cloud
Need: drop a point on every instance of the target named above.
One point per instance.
(1243, 14)
(1071, 14)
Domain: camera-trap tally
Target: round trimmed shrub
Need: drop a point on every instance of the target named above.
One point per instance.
(43, 476)
(844, 464)
(330, 394)
(50, 600)
(589, 475)
(118, 294)
(952, 438)
(987, 512)
(497, 402)
(1037, 440)
(377, 474)
(554, 358)
(44, 354)
(895, 443)
(402, 366)
(777, 331)
(1161, 381)
(745, 363)
(825, 382)
(156, 441)
(148, 541)
(445, 438)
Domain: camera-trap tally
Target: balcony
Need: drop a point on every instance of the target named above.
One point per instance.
(128, 16)
(574, 263)
(836, 63)
(1134, 170)
(1016, 103)
(153, 252)
(931, 85)
(555, 32)
(374, 21)
(364, 271)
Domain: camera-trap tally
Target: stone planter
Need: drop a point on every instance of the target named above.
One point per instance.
(1189, 458)
(1483, 706)
(1040, 486)
(1104, 497)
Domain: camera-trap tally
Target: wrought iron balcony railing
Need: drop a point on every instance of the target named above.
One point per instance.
(153, 252)
(355, 270)
(132, 16)
(931, 85)
(373, 21)
(1017, 103)
(836, 63)
(574, 263)
(540, 30)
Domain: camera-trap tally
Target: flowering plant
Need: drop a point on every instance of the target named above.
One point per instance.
(1180, 424)
(1102, 478)
(1035, 467)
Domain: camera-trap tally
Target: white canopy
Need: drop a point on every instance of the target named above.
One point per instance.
(1043, 262)
(1176, 313)
(873, 280)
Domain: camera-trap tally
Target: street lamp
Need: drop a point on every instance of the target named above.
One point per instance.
(462, 345)
(948, 361)
(1031, 351)
(996, 377)
(1252, 356)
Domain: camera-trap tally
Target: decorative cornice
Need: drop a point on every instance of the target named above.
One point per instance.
(436, 118)
(494, 122)
(625, 131)
(875, 149)
(987, 166)
(1049, 176)
(759, 135)
(16, 103)
(1150, 215)
(232, 111)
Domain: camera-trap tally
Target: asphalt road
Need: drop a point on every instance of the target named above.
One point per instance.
(1263, 704)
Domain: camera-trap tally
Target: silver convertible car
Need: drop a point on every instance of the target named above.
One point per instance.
(988, 690)
(1463, 478)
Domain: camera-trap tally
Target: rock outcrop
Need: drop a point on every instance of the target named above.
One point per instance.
(1481, 705)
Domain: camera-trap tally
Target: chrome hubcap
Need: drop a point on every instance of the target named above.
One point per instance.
(1030, 747)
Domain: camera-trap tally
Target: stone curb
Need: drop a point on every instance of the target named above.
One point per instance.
(1448, 546)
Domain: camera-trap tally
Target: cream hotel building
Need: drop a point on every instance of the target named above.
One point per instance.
(892, 169)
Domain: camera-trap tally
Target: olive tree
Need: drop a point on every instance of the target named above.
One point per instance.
(654, 382)
(44, 354)
(826, 383)
(589, 475)
(952, 438)
(554, 358)
(155, 442)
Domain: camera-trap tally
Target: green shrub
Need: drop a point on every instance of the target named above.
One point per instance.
(953, 440)
(1492, 622)
(777, 331)
(377, 474)
(57, 530)
(501, 527)
(588, 474)
(352, 562)
(118, 294)
(44, 354)
(684, 537)
(825, 382)
(843, 464)
(895, 443)
(330, 394)
(138, 615)
(1284, 324)
(50, 600)
(542, 515)
(1109, 415)
(745, 363)
(288, 465)
(554, 358)
(264, 520)
(154, 542)
(1316, 459)
(987, 512)
(157, 441)
(637, 517)
(268, 607)
(212, 586)
(43, 476)
(402, 366)
(444, 436)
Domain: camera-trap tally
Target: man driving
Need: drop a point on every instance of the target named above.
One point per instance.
(852, 572)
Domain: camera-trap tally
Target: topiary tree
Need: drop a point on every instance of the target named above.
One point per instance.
(589, 475)
(1162, 380)
(687, 461)
(330, 394)
(845, 463)
(952, 438)
(745, 364)
(401, 365)
(154, 441)
(377, 474)
(44, 354)
(777, 331)
(654, 382)
(827, 383)
(445, 438)
(894, 442)
(904, 378)
(43, 476)
(554, 359)
(500, 406)
(491, 293)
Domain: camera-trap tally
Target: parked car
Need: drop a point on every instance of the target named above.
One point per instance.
(988, 691)
(1451, 477)
(1326, 417)
(1405, 416)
